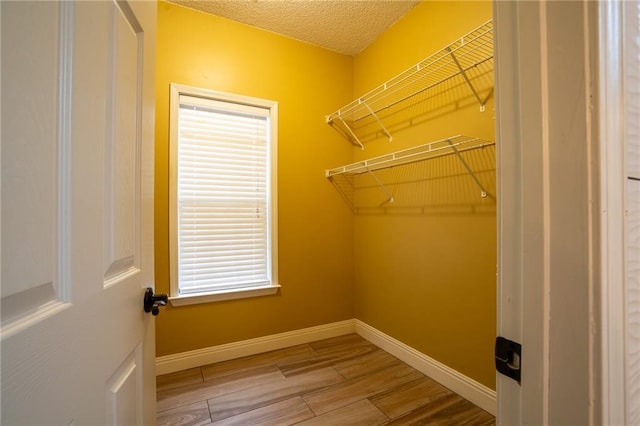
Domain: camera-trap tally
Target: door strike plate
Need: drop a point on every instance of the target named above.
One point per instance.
(508, 358)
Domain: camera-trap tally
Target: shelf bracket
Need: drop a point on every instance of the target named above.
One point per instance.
(353, 135)
(483, 192)
(466, 79)
(381, 185)
(384, 129)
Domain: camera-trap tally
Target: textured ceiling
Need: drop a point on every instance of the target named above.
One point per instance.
(344, 26)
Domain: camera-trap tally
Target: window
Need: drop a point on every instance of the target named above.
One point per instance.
(222, 196)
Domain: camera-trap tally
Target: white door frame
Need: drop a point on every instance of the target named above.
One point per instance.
(548, 286)
(619, 80)
(612, 215)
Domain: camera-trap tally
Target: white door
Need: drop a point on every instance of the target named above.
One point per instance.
(548, 232)
(77, 204)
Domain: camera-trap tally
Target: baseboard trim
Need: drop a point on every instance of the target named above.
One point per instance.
(199, 357)
(464, 386)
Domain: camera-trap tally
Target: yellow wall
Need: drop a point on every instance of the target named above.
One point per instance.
(425, 279)
(315, 227)
(428, 279)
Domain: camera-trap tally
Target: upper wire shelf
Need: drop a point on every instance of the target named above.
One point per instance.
(457, 59)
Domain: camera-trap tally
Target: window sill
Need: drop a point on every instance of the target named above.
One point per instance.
(219, 296)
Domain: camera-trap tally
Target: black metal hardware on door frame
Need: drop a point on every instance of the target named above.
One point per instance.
(153, 302)
(508, 358)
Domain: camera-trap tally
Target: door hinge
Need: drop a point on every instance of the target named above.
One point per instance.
(508, 358)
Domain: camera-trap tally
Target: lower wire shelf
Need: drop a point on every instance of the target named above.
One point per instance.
(350, 178)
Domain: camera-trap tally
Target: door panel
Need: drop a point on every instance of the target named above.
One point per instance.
(123, 391)
(122, 165)
(32, 176)
(77, 205)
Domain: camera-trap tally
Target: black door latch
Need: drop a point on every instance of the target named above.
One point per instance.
(508, 358)
(152, 302)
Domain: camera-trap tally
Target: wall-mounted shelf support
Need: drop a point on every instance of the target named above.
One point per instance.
(483, 192)
(383, 188)
(375, 116)
(463, 73)
(350, 132)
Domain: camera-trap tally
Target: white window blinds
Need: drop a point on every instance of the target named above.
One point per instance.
(223, 193)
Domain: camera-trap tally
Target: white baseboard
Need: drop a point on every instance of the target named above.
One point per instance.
(199, 357)
(464, 386)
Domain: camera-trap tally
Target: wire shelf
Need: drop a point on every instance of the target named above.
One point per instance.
(426, 151)
(344, 177)
(460, 59)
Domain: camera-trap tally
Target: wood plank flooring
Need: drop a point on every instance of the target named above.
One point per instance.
(340, 381)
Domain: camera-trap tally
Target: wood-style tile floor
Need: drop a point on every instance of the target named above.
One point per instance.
(340, 381)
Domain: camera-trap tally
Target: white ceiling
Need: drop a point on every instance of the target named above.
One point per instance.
(344, 26)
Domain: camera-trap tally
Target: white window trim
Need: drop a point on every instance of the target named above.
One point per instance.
(227, 294)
